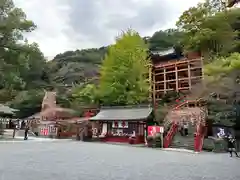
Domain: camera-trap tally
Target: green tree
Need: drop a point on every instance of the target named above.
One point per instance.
(123, 74)
(162, 40)
(208, 27)
(220, 88)
(21, 63)
(27, 102)
(87, 94)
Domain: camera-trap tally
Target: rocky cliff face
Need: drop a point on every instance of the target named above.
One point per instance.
(75, 67)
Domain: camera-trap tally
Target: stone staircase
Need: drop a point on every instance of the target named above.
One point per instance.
(21, 132)
(184, 142)
(8, 133)
(181, 142)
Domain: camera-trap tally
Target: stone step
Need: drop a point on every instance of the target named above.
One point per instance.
(183, 147)
(8, 132)
(21, 133)
(186, 142)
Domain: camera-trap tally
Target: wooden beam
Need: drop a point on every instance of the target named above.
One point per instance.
(165, 82)
(176, 74)
(176, 62)
(189, 77)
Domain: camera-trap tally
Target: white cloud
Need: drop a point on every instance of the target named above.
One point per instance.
(76, 24)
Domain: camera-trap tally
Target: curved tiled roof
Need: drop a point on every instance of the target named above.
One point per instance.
(7, 110)
(123, 113)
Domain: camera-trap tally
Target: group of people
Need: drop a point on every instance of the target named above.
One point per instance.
(21, 125)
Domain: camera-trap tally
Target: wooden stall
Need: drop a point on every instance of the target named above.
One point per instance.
(122, 124)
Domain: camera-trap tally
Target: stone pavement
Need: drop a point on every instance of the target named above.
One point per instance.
(19, 139)
(71, 160)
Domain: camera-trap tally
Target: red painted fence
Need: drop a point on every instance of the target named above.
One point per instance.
(198, 139)
(168, 138)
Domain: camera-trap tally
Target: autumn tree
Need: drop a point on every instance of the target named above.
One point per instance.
(124, 72)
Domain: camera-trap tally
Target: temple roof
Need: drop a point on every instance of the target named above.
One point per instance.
(164, 52)
(7, 110)
(123, 113)
(165, 55)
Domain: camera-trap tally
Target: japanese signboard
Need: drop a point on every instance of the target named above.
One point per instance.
(49, 130)
(152, 130)
(44, 131)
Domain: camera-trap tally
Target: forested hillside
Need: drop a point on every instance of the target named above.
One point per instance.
(75, 67)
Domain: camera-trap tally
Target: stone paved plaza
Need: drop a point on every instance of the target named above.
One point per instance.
(70, 160)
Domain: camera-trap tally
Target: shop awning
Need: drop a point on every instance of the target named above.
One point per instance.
(123, 113)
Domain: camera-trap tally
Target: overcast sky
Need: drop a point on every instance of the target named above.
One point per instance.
(76, 24)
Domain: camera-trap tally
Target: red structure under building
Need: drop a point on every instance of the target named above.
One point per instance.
(172, 72)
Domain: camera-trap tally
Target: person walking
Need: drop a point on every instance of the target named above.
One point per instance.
(185, 127)
(26, 133)
(15, 128)
(231, 145)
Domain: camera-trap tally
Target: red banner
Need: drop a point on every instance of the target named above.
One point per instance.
(44, 131)
(152, 130)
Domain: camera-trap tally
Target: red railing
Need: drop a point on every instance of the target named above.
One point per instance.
(168, 138)
(174, 107)
(173, 130)
(199, 137)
